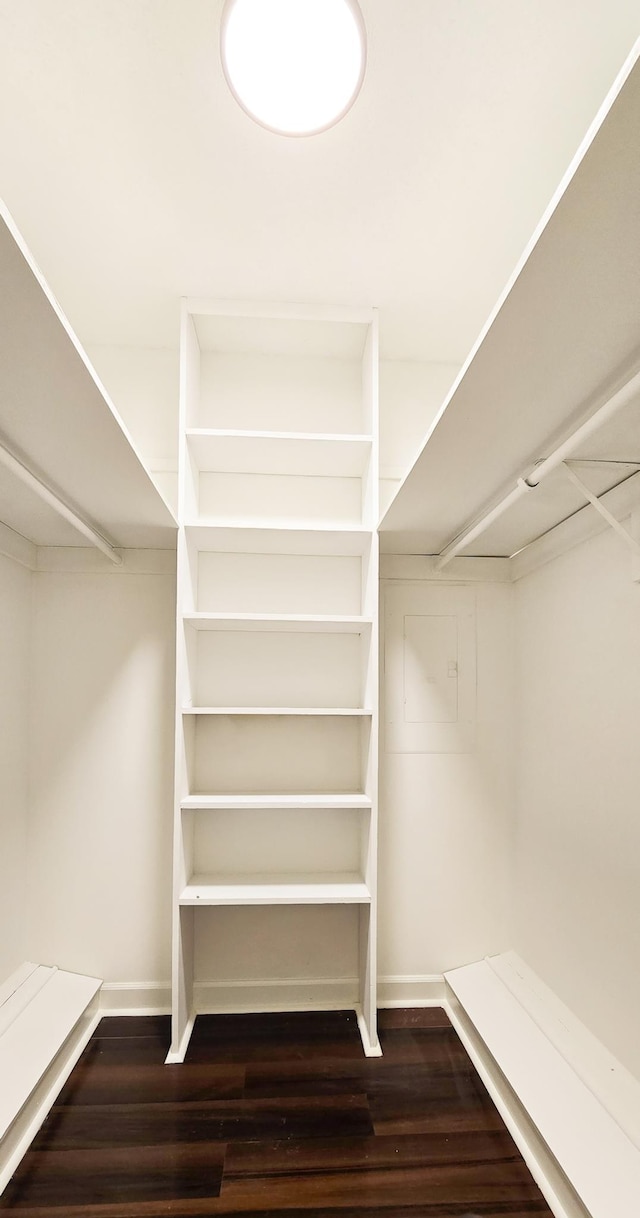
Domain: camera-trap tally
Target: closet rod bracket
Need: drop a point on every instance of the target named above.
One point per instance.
(611, 520)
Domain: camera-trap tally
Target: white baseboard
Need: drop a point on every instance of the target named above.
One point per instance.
(239, 997)
(319, 994)
(135, 998)
(411, 991)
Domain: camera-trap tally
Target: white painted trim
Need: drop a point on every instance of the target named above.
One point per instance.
(135, 998)
(420, 990)
(26, 1125)
(369, 1047)
(212, 997)
(20, 549)
(79, 560)
(283, 994)
(460, 570)
(175, 1058)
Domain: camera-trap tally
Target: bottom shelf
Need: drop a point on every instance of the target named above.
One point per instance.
(339, 888)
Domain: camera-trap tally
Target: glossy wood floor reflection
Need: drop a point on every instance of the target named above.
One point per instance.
(275, 1114)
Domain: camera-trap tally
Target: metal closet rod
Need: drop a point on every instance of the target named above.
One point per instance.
(54, 501)
(615, 403)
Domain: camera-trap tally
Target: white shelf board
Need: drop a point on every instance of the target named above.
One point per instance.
(314, 711)
(336, 888)
(269, 538)
(298, 330)
(248, 802)
(80, 449)
(286, 453)
(280, 623)
(560, 340)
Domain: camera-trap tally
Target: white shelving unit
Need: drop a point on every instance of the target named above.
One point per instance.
(277, 656)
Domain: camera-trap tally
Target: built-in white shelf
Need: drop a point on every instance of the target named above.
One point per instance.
(213, 536)
(280, 452)
(290, 623)
(278, 598)
(351, 711)
(346, 888)
(257, 803)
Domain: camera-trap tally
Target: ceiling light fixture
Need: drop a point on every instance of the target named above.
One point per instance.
(295, 66)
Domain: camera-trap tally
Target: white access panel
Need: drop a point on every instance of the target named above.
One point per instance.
(430, 669)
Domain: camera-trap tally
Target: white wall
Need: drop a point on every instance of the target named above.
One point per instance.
(411, 393)
(446, 823)
(102, 773)
(578, 833)
(143, 385)
(15, 613)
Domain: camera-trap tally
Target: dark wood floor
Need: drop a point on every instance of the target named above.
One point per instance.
(275, 1114)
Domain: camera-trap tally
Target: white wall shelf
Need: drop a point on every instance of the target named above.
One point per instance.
(263, 452)
(316, 803)
(277, 602)
(214, 536)
(310, 889)
(555, 349)
(303, 623)
(80, 451)
(313, 711)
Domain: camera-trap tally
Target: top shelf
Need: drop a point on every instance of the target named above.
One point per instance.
(57, 420)
(561, 339)
(238, 327)
(264, 452)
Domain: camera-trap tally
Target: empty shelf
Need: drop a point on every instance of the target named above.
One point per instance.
(301, 623)
(277, 710)
(345, 888)
(263, 452)
(214, 536)
(266, 802)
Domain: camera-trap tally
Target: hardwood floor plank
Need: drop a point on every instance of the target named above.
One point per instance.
(412, 1017)
(206, 1208)
(111, 1026)
(245, 1159)
(109, 1125)
(298, 1035)
(131, 1174)
(373, 1076)
(94, 1082)
(451, 1184)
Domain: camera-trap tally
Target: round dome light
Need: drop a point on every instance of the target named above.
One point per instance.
(295, 66)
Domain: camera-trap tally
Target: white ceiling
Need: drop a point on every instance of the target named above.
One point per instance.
(135, 178)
